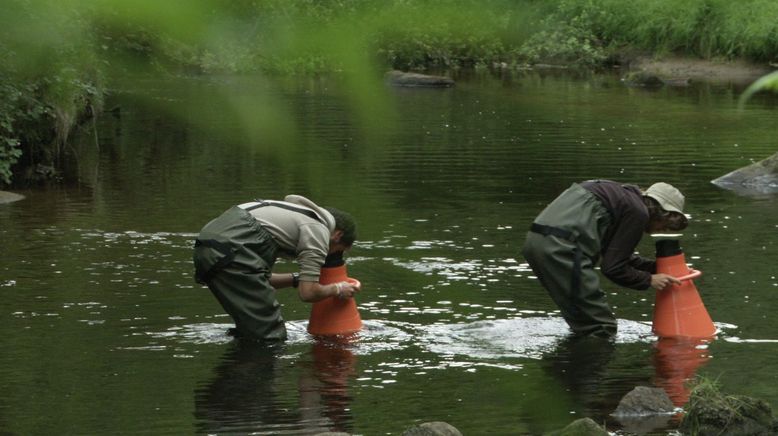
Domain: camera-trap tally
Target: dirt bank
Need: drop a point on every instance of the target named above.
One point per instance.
(678, 68)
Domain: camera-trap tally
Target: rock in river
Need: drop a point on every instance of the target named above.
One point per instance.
(755, 179)
(400, 78)
(9, 197)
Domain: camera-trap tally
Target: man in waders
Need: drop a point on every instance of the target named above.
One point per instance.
(234, 255)
(593, 220)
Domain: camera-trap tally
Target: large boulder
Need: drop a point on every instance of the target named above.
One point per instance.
(755, 179)
(401, 78)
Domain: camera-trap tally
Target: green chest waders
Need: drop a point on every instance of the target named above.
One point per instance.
(575, 279)
(234, 255)
(562, 248)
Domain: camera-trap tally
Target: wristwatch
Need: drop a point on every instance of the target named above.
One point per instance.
(295, 279)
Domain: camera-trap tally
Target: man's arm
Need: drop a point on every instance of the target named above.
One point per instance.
(282, 280)
(312, 292)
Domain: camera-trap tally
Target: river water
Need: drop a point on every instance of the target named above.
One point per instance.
(103, 330)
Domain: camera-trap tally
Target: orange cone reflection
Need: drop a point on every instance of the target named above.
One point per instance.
(676, 361)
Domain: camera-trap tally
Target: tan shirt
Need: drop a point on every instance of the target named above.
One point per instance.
(298, 236)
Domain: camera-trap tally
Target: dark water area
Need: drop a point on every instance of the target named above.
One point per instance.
(104, 331)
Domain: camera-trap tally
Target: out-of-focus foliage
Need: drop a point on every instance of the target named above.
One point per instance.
(766, 83)
(58, 57)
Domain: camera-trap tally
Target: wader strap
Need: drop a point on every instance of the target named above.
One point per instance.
(575, 280)
(554, 231)
(263, 203)
(224, 249)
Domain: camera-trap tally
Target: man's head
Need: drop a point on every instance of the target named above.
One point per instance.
(345, 230)
(665, 207)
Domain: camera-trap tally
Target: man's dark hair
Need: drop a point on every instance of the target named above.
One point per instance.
(344, 222)
(673, 220)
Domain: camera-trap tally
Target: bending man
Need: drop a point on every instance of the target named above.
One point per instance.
(592, 220)
(235, 252)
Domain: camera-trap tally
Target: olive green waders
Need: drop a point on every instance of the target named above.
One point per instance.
(234, 255)
(562, 248)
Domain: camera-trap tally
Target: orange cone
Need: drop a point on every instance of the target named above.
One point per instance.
(334, 316)
(679, 311)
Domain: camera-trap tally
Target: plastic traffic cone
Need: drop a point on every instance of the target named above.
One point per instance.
(334, 316)
(679, 311)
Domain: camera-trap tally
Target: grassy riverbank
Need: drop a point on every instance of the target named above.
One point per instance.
(71, 51)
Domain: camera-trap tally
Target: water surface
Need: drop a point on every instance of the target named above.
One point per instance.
(104, 331)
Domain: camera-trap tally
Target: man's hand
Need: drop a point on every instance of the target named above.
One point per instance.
(347, 289)
(661, 281)
(312, 292)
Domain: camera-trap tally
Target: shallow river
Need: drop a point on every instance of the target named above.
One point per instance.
(103, 331)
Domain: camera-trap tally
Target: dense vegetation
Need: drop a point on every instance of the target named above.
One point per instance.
(57, 58)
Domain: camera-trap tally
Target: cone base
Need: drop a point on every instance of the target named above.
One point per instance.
(334, 316)
(679, 311)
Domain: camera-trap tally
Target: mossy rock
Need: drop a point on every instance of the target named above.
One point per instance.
(709, 412)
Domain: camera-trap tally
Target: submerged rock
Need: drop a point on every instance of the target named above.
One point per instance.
(400, 78)
(711, 413)
(581, 427)
(644, 410)
(642, 78)
(645, 401)
(9, 197)
(652, 80)
(435, 428)
(758, 178)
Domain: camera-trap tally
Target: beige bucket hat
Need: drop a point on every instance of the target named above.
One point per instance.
(669, 197)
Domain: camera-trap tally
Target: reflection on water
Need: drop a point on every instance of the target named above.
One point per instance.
(241, 396)
(677, 361)
(581, 365)
(325, 389)
(246, 393)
